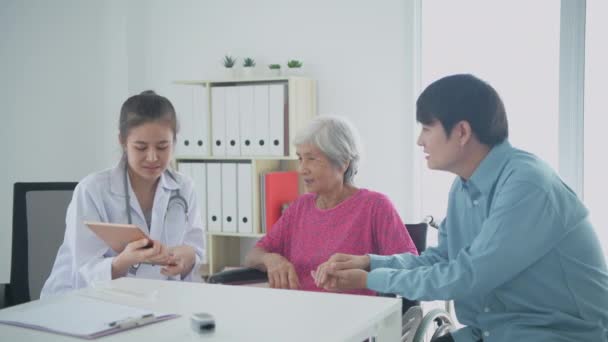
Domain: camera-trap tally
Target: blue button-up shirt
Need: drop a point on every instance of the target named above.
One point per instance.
(516, 253)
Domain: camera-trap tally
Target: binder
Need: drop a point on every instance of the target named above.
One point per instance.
(80, 316)
(247, 120)
(260, 112)
(181, 98)
(185, 169)
(277, 115)
(218, 121)
(199, 177)
(280, 187)
(244, 198)
(231, 114)
(200, 121)
(229, 193)
(214, 197)
(263, 202)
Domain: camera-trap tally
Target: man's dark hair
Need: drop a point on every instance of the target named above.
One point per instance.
(464, 98)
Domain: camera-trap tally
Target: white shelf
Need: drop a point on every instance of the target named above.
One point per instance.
(240, 235)
(227, 248)
(224, 158)
(241, 80)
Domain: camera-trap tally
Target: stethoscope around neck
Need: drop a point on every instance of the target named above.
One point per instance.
(177, 197)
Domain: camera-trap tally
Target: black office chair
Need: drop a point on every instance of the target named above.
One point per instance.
(39, 211)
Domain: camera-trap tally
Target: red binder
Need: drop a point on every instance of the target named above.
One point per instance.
(280, 187)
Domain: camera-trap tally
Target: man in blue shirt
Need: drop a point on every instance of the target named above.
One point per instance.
(516, 251)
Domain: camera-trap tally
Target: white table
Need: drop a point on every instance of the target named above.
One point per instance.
(241, 313)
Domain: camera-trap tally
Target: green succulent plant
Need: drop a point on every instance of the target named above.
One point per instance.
(229, 61)
(294, 63)
(274, 66)
(249, 62)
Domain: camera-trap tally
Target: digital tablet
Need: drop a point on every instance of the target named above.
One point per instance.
(117, 235)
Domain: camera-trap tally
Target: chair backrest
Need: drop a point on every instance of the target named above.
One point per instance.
(39, 211)
(417, 232)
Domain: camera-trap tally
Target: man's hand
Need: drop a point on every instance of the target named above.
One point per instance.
(338, 262)
(352, 279)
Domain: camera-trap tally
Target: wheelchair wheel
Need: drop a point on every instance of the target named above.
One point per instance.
(410, 322)
(435, 324)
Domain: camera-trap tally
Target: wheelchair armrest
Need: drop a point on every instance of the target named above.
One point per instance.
(239, 276)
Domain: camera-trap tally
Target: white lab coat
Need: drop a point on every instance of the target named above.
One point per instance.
(83, 258)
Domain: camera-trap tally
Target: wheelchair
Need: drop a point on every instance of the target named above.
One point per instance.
(415, 326)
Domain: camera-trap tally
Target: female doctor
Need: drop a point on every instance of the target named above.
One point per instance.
(141, 190)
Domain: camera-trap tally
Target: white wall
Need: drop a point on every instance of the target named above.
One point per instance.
(360, 52)
(68, 65)
(63, 67)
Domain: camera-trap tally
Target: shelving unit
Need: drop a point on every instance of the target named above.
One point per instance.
(256, 136)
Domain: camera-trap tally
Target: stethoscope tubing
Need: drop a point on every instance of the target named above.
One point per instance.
(177, 197)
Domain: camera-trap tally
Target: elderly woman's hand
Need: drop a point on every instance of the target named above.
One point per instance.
(181, 261)
(281, 273)
(339, 262)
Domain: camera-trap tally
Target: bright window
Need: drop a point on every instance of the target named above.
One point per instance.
(514, 46)
(596, 121)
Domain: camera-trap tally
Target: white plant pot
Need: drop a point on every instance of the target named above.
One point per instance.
(248, 72)
(230, 73)
(296, 71)
(275, 72)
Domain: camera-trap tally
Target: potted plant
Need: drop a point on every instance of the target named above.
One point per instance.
(295, 67)
(275, 69)
(248, 65)
(229, 63)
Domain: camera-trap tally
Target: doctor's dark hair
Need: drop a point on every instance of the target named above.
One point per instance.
(143, 108)
(464, 97)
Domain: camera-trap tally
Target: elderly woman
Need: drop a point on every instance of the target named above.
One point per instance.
(334, 217)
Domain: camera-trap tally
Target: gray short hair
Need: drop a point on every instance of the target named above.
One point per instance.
(337, 139)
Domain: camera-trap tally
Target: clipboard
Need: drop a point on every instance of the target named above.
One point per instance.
(116, 235)
(80, 316)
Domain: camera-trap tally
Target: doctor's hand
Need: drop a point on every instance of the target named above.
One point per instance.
(352, 279)
(181, 260)
(137, 252)
(338, 262)
(281, 273)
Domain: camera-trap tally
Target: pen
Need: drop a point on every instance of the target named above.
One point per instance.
(132, 322)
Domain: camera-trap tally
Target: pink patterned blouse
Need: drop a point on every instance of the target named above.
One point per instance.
(364, 223)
